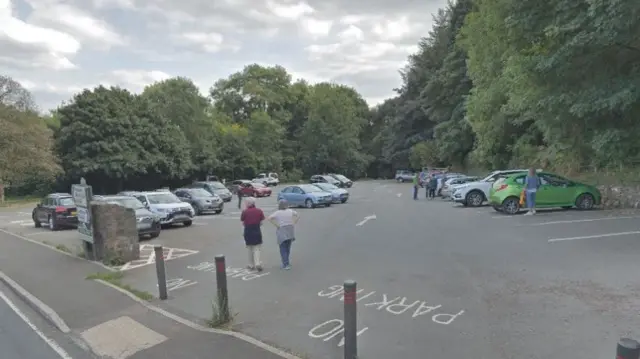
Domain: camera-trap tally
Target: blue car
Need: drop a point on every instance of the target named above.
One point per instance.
(306, 195)
(338, 195)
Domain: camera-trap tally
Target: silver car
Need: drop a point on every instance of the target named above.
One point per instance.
(451, 184)
(167, 206)
(214, 187)
(201, 200)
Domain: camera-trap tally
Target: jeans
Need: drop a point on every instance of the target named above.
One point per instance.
(432, 192)
(285, 251)
(239, 201)
(531, 200)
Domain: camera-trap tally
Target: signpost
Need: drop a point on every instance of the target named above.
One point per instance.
(82, 194)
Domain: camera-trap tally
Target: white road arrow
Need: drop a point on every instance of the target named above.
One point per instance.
(366, 219)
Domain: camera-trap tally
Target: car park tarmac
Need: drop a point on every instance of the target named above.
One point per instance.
(434, 279)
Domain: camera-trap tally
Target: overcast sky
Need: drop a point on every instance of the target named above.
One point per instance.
(57, 47)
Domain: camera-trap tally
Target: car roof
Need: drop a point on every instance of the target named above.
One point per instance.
(113, 196)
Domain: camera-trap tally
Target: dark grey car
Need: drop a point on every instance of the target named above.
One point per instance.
(214, 187)
(148, 223)
(203, 201)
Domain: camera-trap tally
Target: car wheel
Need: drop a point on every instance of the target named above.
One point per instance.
(585, 202)
(198, 211)
(511, 205)
(308, 203)
(53, 225)
(154, 235)
(218, 211)
(36, 223)
(474, 198)
(343, 201)
(497, 208)
(188, 223)
(401, 180)
(265, 183)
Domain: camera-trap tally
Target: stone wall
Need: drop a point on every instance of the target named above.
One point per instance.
(620, 197)
(115, 233)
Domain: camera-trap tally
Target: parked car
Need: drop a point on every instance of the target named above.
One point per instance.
(404, 176)
(237, 184)
(339, 195)
(56, 210)
(201, 200)
(451, 184)
(167, 206)
(344, 181)
(147, 222)
(324, 179)
(305, 195)
(253, 189)
(473, 194)
(555, 191)
(214, 187)
(267, 179)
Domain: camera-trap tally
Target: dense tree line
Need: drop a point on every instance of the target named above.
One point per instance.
(495, 84)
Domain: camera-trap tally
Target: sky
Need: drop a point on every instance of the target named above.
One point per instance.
(56, 48)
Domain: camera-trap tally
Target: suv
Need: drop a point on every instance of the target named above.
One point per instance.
(404, 176)
(148, 224)
(215, 188)
(56, 210)
(473, 194)
(201, 200)
(267, 179)
(344, 181)
(325, 179)
(167, 206)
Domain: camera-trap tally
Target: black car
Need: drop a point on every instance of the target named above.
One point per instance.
(57, 210)
(202, 200)
(215, 188)
(324, 179)
(344, 181)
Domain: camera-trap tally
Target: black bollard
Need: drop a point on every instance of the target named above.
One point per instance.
(350, 321)
(160, 272)
(628, 349)
(223, 293)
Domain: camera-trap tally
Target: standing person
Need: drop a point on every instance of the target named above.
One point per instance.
(252, 218)
(239, 194)
(433, 184)
(416, 183)
(531, 184)
(285, 220)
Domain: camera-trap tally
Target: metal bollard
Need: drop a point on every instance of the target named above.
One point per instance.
(160, 272)
(628, 349)
(223, 293)
(350, 321)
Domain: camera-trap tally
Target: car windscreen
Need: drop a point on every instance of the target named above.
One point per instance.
(217, 185)
(67, 201)
(128, 202)
(342, 178)
(326, 186)
(310, 189)
(199, 192)
(163, 198)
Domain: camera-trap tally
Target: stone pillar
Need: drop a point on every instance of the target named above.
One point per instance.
(115, 233)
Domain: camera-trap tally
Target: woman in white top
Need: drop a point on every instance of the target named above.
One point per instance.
(284, 219)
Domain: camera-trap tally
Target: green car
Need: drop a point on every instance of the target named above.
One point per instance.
(555, 191)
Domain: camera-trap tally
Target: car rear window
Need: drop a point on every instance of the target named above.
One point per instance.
(67, 201)
(498, 182)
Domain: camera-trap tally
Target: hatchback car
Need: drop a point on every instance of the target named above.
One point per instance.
(555, 192)
(339, 195)
(214, 187)
(344, 181)
(306, 195)
(148, 224)
(201, 200)
(404, 176)
(324, 179)
(252, 189)
(167, 206)
(56, 210)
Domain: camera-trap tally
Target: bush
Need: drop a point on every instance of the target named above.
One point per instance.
(291, 176)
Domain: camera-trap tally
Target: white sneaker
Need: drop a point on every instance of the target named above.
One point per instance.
(528, 213)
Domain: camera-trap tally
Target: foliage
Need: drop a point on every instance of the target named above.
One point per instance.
(494, 84)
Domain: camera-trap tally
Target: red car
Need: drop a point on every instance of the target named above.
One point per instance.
(252, 189)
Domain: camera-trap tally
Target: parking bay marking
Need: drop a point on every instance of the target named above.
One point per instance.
(366, 219)
(594, 236)
(581, 220)
(242, 273)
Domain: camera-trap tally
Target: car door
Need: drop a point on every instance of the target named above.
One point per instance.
(297, 196)
(554, 190)
(42, 209)
(47, 209)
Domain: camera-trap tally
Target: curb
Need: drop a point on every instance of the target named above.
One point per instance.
(199, 327)
(44, 310)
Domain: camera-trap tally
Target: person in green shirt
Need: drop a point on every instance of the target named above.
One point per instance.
(416, 184)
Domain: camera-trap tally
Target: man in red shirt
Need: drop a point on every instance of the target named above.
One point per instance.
(252, 218)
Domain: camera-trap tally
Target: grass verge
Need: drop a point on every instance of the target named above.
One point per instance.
(115, 278)
(19, 201)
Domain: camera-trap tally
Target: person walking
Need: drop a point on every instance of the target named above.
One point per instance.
(252, 218)
(416, 184)
(531, 185)
(239, 194)
(284, 219)
(433, 184)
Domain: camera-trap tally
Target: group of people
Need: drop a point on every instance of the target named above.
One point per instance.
(284, 220)
(432, 182)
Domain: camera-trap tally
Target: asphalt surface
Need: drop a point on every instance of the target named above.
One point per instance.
(24, 334)
(436, 279)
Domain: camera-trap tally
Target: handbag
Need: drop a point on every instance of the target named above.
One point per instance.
(522, 198)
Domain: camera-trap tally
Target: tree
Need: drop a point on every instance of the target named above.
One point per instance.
(13, 94)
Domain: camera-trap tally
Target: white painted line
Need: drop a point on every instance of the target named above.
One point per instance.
(366, 219)
(594, 236)
(583, 220)
(37, 233)
(55, 346)
(399, 195)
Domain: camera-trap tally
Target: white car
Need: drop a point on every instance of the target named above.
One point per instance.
(166, 205)
(452, 184)
(267, 179)
(473, 194)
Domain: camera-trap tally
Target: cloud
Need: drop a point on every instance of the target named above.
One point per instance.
(137, 79)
